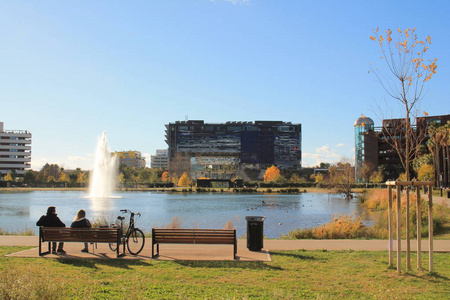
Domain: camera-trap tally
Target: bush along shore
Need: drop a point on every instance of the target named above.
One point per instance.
(376, 203)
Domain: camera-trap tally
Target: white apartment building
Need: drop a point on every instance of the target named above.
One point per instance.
(132, 159)
(160, 160)
(15, 151)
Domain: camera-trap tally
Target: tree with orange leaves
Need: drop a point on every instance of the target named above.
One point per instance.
(165, 176)
(407, 71)
(184, 180)
(271, 173)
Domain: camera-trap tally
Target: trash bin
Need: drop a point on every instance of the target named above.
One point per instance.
(255, 232)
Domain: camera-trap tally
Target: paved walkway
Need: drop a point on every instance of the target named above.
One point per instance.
(217, 252)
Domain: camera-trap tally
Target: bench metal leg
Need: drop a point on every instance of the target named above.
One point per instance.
(153, 250)
(46, 252)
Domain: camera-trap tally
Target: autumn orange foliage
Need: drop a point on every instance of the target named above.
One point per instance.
(184, 180)
(271, 173)
(340, 227)
(165, 176)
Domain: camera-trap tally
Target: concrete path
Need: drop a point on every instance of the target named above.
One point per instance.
(217, 252)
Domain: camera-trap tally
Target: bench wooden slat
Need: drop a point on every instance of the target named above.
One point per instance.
(193, 236)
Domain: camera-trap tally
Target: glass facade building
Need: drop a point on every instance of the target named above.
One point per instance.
(228, 146)
(362, 126)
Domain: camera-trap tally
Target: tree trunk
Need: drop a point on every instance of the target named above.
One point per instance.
(448, 166)
(407, 146)
(444, 166)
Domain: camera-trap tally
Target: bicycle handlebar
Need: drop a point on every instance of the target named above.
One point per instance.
(127, 210)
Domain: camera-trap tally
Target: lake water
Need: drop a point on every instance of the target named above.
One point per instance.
(21, 210)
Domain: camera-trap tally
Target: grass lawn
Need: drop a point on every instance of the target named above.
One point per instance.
(291, 275)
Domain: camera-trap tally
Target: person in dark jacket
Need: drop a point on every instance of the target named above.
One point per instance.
(80, 221)
(51, 220)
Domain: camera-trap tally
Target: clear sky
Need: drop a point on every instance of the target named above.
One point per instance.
(71, 69)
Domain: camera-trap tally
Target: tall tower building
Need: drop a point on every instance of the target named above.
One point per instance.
(363, 126)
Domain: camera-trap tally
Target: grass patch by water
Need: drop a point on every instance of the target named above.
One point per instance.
(291, 275)
(375, 202)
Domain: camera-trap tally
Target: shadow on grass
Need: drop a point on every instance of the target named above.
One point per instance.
(253, 265)
(93, 263)
(435, 275)
(293, 254)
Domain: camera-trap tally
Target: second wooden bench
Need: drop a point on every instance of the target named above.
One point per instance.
(193, 236)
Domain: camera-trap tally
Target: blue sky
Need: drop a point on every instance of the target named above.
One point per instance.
(71, 69)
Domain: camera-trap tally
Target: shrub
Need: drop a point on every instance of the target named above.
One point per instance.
(377, 200)
(27, 232)
(176, 223)
(340, 227)
(229, 225)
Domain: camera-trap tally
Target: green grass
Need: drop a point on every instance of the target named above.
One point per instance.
(291, 275)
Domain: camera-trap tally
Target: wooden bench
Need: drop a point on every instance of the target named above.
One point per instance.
(82, 235)
(193, 236)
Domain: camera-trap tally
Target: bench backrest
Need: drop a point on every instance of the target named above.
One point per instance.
(64, 234)
(193, 236)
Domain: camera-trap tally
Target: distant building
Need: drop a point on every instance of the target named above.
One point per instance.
(160, 160)
(365, 150)
(132, 159)
(372, 144)
(219, 150)
(15, 151)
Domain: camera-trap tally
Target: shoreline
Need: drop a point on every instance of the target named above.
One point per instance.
(175, 190)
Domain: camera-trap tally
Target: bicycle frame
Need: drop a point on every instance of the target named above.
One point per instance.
(130, 226)
(130, 235)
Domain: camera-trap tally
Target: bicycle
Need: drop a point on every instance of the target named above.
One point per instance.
(134, 237)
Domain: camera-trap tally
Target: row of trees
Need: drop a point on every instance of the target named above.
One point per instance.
(52, 173)
(339, 177)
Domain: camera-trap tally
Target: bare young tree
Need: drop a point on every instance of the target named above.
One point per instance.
(403, 80)
(180, 164)
(341, 178)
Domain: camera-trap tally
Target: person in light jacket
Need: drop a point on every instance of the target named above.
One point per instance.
(80, 221)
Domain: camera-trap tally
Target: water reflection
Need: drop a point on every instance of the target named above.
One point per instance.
(102, 205)
(283, 213)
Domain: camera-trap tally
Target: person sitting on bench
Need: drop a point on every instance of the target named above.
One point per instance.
(51, 220)
(80, 221)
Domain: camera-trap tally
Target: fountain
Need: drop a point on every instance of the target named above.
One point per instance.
(103, 177)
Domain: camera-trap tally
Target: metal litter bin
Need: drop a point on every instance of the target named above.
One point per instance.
(255, 232)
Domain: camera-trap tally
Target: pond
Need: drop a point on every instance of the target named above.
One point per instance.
(284, 212)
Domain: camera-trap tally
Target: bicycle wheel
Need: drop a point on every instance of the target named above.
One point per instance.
(135, 241)
(113, 246)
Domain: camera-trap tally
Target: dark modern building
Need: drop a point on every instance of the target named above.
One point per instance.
(372, 144)
(221, 149)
